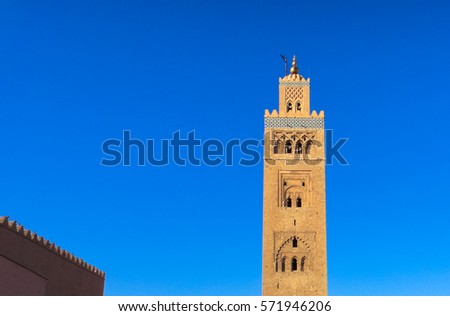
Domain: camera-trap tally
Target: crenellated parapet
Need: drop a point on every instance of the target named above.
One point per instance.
(294, 80)
(276, 114)
(34, 237)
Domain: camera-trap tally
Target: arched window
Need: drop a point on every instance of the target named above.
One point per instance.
(298, 147)
(294, 264)
(298, 202)
(288, 147)
(308, 147)
(283, 264)
(298, 106)
(288, 107)
(276, 146)
(302, 264)
(288, 202)
(294, 243)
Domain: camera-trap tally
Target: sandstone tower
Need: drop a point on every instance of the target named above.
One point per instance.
(294, 230)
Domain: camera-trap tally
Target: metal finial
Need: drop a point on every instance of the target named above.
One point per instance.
(294, 69)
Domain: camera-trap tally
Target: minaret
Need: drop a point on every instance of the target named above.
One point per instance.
(294, 228)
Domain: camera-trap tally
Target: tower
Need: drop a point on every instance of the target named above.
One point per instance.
(294, 228)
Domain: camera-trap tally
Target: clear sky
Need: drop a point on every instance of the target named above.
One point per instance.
(75, 73)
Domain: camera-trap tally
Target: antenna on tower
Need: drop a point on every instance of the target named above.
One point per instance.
(285, 63)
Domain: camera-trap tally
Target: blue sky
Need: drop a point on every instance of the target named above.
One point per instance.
(75, 73)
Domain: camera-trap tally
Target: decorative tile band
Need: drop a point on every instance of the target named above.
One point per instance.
(294, 122)
(295, 84)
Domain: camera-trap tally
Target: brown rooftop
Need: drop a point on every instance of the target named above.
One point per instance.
(41, 241)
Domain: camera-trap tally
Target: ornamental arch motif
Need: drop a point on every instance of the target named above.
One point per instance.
(292, 255)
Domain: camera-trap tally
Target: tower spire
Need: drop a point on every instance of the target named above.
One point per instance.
(294, 69)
